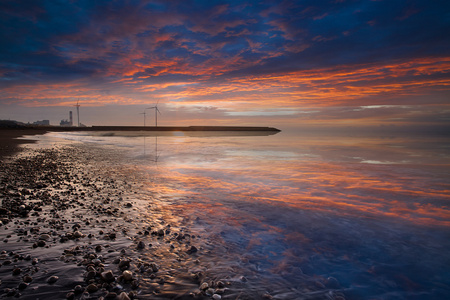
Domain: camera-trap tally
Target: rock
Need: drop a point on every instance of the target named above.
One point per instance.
(108, 276)
(44, 237)
(123, 296)
(23, 285)
(160, 232)
(70, 296)
(216, 297)
(16, 271)
(141, 245)
(220, 284)
(77, 234)
(52, 279)
(27, 279)
(204, 286)
(98, 248)
(192, 250)
(92, 288)
(154, 267)
(127, 275)
(90, 275)
(124, 264)
(78, 289)
(243, 279)
(111, 295)
(209, 292)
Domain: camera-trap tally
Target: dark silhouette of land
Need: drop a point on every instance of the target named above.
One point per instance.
(11, 130)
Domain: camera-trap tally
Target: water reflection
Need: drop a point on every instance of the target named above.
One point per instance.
(293, 210)
(303, 216)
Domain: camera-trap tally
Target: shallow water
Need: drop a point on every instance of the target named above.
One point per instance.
(302, 215)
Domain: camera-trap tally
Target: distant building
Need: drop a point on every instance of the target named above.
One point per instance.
(66, 122)
(43, 122)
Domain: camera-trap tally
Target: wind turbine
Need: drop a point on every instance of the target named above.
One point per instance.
(144, 113)
(78, 111)
(156, 113)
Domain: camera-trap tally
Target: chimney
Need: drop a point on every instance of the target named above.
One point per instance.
(70, 117)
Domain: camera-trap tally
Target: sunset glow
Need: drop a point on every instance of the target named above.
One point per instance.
(246, 62)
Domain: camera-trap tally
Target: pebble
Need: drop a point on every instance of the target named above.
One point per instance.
(16, 271)
(52, 279)
(127, 275)
(44, 237)
(92, 288)
(23, 285)
(78, 289)
(216, 297)
(77, 234)
(154, 267)
(124, 264)
(192, 250)
(108, 276)
(204, 286)
(141, 245)
(27, 279)
(111, 295)
(123, 296)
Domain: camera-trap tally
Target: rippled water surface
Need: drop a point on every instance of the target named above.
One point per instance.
(365, 216)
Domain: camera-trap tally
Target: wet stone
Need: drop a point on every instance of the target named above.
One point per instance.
(16, 271)
(108, 276)
(141, 245)
(92, 288)
(127, 275)
(124, 264)
(192, 250)
(52, 279)
(111, 295)
(78, 289)
(123, 296)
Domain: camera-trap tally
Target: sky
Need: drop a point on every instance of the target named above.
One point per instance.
(286, 64)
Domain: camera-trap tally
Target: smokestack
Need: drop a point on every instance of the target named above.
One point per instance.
(70, 117)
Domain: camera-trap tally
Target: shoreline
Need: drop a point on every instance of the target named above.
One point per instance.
(9, 142)
(73, 227)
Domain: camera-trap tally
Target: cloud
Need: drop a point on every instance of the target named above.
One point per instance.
(241, 56)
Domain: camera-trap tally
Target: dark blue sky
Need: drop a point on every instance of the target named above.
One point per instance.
(231, 57)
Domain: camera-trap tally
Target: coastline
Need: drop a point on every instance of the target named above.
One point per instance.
(73, 226)
(9, 142)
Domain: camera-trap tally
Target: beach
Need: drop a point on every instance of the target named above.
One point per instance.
(125, 215)
(75, 224)
(71, 228)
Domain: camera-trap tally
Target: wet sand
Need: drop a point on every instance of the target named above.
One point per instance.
(9, 144)
(79, 223)
(73, 227)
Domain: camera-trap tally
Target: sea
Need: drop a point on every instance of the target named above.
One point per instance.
(356, 216)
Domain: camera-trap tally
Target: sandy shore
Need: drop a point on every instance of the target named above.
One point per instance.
(73, 227)
(9, 144)
(79, 221)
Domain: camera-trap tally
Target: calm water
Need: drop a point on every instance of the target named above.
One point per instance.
(366, 216)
